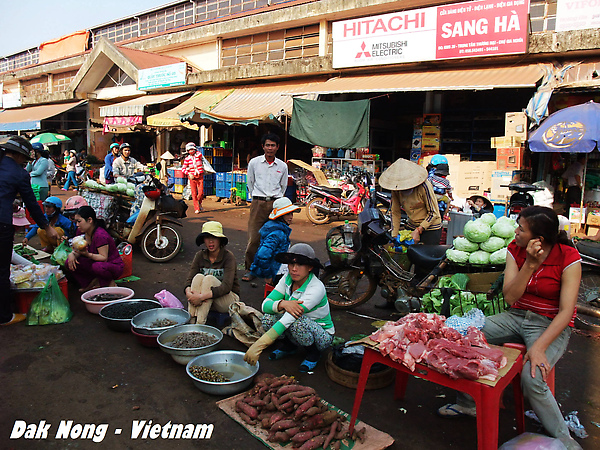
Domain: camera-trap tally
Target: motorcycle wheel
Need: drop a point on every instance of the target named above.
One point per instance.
(166, 250)
(313, 214)
(348, 287)
(588, 316)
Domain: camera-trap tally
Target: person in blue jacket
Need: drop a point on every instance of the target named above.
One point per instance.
(62, 225)
(274, 239)
(108, 163)
(38, 170)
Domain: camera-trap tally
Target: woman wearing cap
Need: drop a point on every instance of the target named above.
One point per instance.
(70, 163)
(412, 191)
(480, 205)
(298, 310)
(274, 239)
(38, 170)
(212, 281)
(62, 225)
(193, 168)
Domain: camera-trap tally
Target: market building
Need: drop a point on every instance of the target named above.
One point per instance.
(226, 72)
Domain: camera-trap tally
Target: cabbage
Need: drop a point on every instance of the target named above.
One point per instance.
(465, 245)
(130, 186)
(504, 229)
(122, 187)
(508, 221)
(488, 218)
(498, 257)
(477, 231)
(131, 192)
(479, 257)
(492, 244)
(90, 183)
(121, 180)
(509, 240)
(457, 256)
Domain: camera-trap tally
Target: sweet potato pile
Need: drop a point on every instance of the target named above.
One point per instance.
(293, 413)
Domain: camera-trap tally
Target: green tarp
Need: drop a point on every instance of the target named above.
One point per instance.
(331, 124)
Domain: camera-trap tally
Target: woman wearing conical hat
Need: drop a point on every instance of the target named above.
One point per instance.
(411, 191)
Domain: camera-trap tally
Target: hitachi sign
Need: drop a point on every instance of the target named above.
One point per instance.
(367, 26)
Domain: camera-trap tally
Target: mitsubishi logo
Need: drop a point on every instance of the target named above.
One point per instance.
(359, 54)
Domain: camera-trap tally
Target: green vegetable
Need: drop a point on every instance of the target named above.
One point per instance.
(503, 230)
(121, 180)
(131, 192)
(460, 280)
(457, 256)
(477, 231)
(498, 257)
(488, 218)
(479, 257)
(465, 245)
(508, 240)
(492, 244)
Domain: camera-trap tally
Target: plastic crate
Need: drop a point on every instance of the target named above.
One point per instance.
(24, 297)
(241, 190)
(171, 172)
(178, 189)
(207, 151)
(220, 176)
(229, 176)
(181, 181)
(223, 193)
(178, 173)
(240, 177)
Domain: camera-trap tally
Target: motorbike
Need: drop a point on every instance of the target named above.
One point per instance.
(403, 277)
(325, 202)
(521, 198)
(588, 305)
(154, 226)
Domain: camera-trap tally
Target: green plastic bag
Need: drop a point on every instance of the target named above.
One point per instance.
(61, 254)
(50, 306)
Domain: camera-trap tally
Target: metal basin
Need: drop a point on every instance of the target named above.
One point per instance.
(184, 355)
(123, 321)
(231, 364)
(142, 322)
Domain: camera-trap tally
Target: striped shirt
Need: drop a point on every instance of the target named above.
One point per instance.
(314, 302)
(421, 206)
(542, 294)
(193, 165)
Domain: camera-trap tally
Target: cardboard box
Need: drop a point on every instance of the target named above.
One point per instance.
(505, 141)
(593, 219)
(592, 230)
(515, 124)
(474, 178)
(453, 166)
(501, 178)
(575, 215)
(431, 131)
(509, 158)
(432, 119)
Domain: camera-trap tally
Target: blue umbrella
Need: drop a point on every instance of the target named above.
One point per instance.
(572, 130)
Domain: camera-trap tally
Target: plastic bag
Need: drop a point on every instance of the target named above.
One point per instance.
(246, 324)
(168, 300)
(50, 306)
(533, 441)
(61, 253)
(207, 166)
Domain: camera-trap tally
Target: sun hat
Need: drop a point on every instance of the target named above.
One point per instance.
(403, 175)
(300, 254)
(281, 207)
(20, 218)
(487, 202)
(190, 146)
(213, 229)
(17, 144)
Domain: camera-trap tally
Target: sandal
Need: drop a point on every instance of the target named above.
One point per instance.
(280, 354)
(452, 410)
(307, 366)
(248, 277)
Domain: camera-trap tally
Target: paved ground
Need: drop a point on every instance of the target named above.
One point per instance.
(83, 372)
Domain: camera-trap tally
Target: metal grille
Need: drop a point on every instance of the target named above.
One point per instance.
(23, 59)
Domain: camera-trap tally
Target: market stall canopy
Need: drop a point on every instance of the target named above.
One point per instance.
(575, 129)
(135, 107)
(30, 118)
(203, 100)
(49, 138)
(436, 80)
(331, 124)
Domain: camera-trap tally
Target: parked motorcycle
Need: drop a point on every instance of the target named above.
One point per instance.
(153, 228)
(521, 198)
(325, 202)
(403, 277)
(588, 304)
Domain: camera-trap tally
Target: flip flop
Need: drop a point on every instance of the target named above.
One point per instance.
(248, 277)
(280, 354)
(307, 366)
(452, 410)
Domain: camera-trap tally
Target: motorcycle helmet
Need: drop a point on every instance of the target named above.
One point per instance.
(440, 164)
(75, 202)
(113, 145)
(54, 201)
(17, 144)
(38, 147)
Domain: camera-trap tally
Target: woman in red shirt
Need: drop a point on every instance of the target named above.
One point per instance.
(541, 284)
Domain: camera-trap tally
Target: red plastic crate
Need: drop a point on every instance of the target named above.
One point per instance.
(23, 299)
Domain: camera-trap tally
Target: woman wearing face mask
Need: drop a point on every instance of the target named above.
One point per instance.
(412, 192)
(62, 225)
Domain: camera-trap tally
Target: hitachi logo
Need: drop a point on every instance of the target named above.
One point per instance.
(368, 26)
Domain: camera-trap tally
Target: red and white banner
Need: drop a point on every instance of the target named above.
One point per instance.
(460, 30)
(114, 122)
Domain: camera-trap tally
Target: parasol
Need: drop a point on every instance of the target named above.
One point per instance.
(50, 138)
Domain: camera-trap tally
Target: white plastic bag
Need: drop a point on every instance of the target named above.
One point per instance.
(208, 168)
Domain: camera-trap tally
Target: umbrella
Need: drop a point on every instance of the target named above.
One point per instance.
(50, 138)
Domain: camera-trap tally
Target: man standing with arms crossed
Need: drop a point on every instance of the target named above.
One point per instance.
(267, 181)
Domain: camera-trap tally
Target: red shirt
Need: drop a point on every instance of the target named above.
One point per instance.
(193, 165)
(542, 294)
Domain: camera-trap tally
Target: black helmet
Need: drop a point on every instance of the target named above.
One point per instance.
(17, 144)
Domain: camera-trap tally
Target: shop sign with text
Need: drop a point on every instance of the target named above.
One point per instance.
(577, 14)
(460, 30)
(162, 76)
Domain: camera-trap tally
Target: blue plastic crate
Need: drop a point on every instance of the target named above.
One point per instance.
(209, 176)
(209, 191)
(229, 176)
(223, 193)
(220, 176)
(240, 177)
(181, 181)
(171, 172)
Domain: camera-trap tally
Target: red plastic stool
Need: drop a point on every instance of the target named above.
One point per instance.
(268, 289)
(550, 379)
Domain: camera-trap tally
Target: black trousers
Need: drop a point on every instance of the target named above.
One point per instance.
(7, 233)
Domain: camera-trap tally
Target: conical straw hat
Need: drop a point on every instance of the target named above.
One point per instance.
(167, 155)
(402, 175)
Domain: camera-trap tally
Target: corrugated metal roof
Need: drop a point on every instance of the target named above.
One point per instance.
(584, 75)
(458, 79)
(203, 100)
(30, 118)
(135, 107)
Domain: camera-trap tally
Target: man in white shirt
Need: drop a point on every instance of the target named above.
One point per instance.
(125, 165)
(267, 181)
(574, 179)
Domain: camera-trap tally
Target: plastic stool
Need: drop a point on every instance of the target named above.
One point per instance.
(550, 379)
(268, 289)
(220, 318)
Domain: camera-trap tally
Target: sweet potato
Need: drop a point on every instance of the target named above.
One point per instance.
(305, 407)
(290, 388)
(270, 406)
(264, 423)
(279, 436)
(281, 381)
(303, 393)
(275, 400)
(336, 445)
(263, 377)
(257, 403)
(282, 425)
(319, 420)
(303, 436)
(312, 411)
(285, 406)
(300, 400)
(313, 443)
(291, 432)
(247, 419)
(330, 434)
(276, 417)
(247, 409)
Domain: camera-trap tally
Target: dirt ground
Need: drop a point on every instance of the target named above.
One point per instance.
(83, 372)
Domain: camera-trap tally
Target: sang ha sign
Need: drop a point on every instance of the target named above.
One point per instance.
(460, 30)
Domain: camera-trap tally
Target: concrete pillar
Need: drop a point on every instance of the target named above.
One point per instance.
(323, 38)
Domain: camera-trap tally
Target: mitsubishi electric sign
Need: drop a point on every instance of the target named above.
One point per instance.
(460, 30)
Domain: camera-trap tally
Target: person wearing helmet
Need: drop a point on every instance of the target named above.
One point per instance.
(73, 204)
(62, 225)
(125, 165)
(109, 160)
(70, 161)
(193, 168)
(438, 170)
(15, 151)
(38, 170)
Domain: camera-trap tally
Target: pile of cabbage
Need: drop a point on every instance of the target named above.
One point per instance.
(484, 242)
(121, 186)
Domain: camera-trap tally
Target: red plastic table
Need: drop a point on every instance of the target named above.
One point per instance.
(486, 395)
